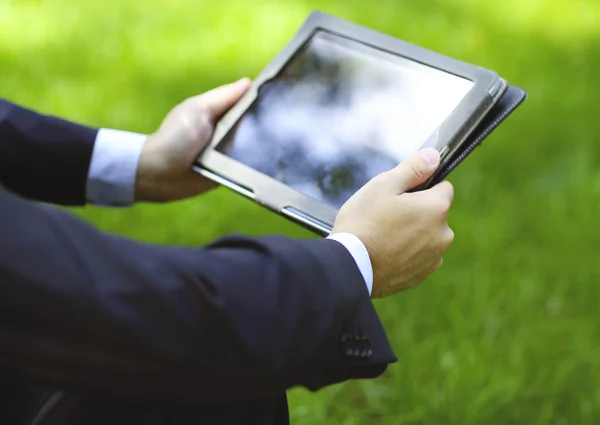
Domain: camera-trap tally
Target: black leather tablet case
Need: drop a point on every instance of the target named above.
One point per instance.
(512, 98)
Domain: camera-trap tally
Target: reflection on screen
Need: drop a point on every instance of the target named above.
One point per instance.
(341, 113)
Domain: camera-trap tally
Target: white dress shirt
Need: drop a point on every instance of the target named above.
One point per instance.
(111, 182)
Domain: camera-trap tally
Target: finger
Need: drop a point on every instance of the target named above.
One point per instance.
(413, 171)
(443, 191)
(193, 184)
(448, 237)
(435, 203)
(219, 100)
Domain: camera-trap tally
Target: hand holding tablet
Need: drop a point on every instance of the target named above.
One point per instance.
(342, 104)
(414, 224)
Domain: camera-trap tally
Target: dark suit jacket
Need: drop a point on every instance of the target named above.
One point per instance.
(133, 333)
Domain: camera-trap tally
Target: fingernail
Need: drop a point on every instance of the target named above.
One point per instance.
(242, 80)
(431, 155)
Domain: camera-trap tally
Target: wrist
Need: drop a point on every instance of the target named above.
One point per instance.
(147, 179)
(113, 167)
(359, 253)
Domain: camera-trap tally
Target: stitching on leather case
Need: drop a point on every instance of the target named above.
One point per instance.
(482, 136)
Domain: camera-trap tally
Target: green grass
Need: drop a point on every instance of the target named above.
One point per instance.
(508, 331)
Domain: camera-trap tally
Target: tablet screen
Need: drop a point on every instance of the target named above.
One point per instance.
(338, 114)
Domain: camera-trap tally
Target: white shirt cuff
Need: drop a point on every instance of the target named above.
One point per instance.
(360, 254)
(113, 168)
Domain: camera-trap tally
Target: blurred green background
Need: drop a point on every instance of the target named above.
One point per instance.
(508, 331)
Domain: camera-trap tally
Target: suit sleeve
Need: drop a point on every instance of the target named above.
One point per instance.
(240, 318)
(42, 157)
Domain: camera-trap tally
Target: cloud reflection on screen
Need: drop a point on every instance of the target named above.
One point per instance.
(339, 114)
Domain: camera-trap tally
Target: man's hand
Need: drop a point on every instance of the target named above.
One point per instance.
(405, 233)
(164, 170)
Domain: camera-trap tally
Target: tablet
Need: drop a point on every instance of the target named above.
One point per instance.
(338, 106)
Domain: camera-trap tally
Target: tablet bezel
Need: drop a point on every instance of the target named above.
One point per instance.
(307, 211)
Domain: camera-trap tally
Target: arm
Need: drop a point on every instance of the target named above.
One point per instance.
(238, 319)
(52, 160)
(42, 157)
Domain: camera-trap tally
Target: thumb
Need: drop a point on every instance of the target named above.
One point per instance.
(415, 170)
(219, 100)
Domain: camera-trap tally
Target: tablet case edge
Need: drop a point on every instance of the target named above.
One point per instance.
(512, 98)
